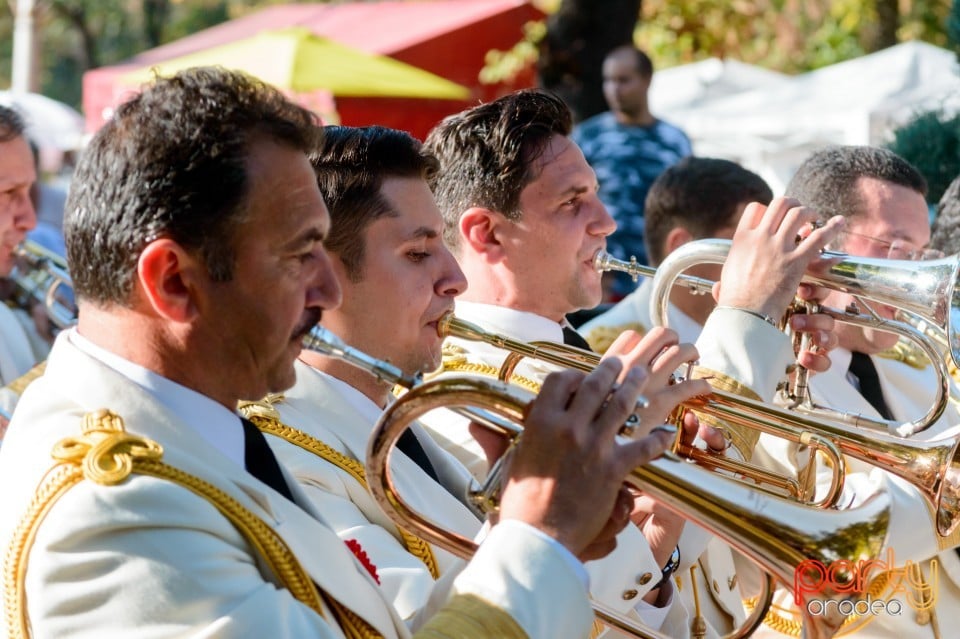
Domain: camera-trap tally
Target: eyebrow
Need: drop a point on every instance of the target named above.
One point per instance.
(309, 237)
(422, 232)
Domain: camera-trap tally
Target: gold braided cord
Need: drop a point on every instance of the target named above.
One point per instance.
(107, 455)
(602, 337)
(58, 481)
(414, 545)
(784, 619)
(908, 353)
(487, 370)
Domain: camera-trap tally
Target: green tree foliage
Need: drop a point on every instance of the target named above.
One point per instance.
(931, 142)
(953, 28)
(786, 35)
(77, 35)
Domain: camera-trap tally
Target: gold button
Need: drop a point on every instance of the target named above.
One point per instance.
(644, 579)
(716, 588)
(732, 582)
(629, 594)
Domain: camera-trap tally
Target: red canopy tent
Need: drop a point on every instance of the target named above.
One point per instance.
(447, 37)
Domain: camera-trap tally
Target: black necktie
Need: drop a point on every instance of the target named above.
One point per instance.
(410, 446)
(260, 460)
(866, 373)
(573, 338)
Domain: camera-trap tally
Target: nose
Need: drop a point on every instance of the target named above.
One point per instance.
(25, 215)
(324, 291)
(452, 281)
(602, 224)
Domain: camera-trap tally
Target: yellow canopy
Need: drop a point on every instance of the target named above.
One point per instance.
(295, 59)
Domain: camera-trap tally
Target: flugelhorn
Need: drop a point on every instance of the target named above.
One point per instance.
(41, 276)
(926, 289)
(489, 413)
(777, 534)
(932, 467)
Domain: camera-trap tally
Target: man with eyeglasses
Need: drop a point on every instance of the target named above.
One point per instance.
(882, 198)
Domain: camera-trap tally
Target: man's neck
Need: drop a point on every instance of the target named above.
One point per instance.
(640, 118)
(375, 390)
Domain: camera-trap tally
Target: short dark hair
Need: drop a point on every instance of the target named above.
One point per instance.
(488, 153)
(351, 165)
(642, 62)
(945, 233)
(701, 195)
(827, 180)
(12, 125)
(171, 162)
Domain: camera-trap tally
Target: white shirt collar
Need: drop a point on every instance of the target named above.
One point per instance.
(356, 400)
(519, 325)
(217, 425)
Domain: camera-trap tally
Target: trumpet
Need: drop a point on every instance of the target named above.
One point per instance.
(483, 407)
(41, 276)
(781, 536)
(926, 289)
(932, 467)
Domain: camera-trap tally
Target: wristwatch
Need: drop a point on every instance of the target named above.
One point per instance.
(671, 567)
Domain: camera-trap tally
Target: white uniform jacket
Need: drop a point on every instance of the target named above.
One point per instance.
(633, 312)
(342, 418)
(20, 349)
(150, 558)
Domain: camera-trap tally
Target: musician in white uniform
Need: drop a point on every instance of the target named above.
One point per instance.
(137, 502)
(20, 345)
(882, 197)
(523, 218)
(388, 252)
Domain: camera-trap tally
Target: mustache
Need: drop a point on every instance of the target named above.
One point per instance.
(311, 319)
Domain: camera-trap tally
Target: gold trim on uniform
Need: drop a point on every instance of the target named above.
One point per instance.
(107, 455)
(261, 414)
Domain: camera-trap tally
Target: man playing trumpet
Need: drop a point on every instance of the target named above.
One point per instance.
(522, 216)
(398, 281)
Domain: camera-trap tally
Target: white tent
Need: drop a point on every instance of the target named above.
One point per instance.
(772, 129)
(53, 126)
(690, 85)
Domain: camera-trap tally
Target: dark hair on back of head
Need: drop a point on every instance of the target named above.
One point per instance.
(12, 125)
(172, 162)
(488, 154)
(827, 180)
(702, 195)
(351, 166)
(642, 62)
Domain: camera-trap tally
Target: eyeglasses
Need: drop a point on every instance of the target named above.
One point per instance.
(897, 249)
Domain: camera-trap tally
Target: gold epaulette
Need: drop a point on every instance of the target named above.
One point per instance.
(267, 418)
(20, 384)
(106, 454)
(601, 337)
(907, 352)
(743, 438)
(470, 617)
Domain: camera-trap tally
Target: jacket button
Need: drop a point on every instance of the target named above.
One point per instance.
(644, 579)
(629, 594)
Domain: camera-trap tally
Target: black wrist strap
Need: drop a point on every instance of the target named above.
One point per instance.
(671, 567)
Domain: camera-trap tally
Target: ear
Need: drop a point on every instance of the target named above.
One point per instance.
(677, 237)
(167, 277)
(480, 230)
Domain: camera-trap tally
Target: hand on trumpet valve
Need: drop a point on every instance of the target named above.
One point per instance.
(766, 262)
(565, 473)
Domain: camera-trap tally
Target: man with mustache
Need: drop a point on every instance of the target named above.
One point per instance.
(138, 502)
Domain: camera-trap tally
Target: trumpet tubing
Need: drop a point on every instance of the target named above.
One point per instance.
(41, 276)
(927, 290)
(778, 534)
